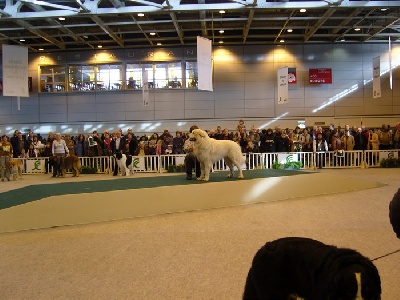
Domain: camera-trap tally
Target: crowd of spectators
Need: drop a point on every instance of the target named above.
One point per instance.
(251, 140)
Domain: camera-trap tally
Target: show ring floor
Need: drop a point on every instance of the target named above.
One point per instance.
(98, 198)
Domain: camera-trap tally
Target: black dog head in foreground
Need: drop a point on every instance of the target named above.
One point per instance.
(302, 268)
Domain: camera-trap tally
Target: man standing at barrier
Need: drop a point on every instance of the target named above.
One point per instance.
(190, 160)
(5, 154)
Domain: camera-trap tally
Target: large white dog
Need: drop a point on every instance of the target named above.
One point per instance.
(208, 151)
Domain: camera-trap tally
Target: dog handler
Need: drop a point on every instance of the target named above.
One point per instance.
(5, 154)
(59, 148)
(190, 159)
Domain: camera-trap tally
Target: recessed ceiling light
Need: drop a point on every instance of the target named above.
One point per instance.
(303, 10)
(22, 40)
(357, 29)
(221, 31)
(152, 33)
(290, 30)
(61, 18)
(99, 46)
(140, 14)
(221, 11)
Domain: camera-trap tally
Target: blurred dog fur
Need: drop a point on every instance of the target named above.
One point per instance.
(302, 268)
(15, 168)
(61, 164)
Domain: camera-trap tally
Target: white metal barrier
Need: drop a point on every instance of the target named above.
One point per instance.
(161, 163)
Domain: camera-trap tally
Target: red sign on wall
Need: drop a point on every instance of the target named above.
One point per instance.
(320, 76)
(292, 76)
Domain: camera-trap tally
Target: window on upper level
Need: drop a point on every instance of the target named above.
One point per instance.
(95, 77)
(191, 74)
(52, 79)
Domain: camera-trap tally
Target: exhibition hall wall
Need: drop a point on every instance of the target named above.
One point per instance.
(244, 87)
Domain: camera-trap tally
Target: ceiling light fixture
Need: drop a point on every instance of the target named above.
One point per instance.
(140, 14)
(384, 9)
(41, 49)
(282, 41)
(303, 10)
(159, 44)
(152, 33)
(22, 40)
(290, 30)
(221, 11)
(99, 46)
(221, 31)
(342, 40)
(221, 42)
(61, 18)
(357, 29)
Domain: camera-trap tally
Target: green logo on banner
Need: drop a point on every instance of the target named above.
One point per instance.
(289, 158)
(135, 162)
(36, 165)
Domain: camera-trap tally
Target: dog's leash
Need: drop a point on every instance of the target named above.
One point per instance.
(379, 257)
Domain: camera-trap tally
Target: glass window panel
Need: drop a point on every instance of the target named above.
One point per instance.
(150, 75)
(174, 75)
(133, 76)
(191, 74)
(115, 77)
(160, 75)
(52, 79)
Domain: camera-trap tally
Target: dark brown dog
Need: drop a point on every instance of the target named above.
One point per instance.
(61, 164)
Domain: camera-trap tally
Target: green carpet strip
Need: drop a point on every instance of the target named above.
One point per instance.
(40, 191)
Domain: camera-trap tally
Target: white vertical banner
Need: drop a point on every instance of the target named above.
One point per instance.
(376, 81)
(283, 92)
(390, 64)
(145, 88)
(15, 71)
(204, 64)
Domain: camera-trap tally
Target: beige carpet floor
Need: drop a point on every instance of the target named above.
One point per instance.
(202, 253)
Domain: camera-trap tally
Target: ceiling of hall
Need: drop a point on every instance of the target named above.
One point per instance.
(116, 24)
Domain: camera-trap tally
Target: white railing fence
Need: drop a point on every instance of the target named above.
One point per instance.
(163, 163)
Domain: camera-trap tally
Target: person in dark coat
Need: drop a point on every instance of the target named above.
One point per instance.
(190, 160)
(394, 213)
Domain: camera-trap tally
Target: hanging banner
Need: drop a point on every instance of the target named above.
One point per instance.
(283, 93)
(320, 76)
(292, 76)
(376, 81)
(145, 88)
(15, 71)
(204, 64)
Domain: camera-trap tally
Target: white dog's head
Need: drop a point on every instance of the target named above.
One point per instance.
(198, 134)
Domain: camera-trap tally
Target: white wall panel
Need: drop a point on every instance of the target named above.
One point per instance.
(169, 114)
(199, 113)
(110, 116)
(229, 103)
(223, 113)
(200, 105)
(57, 118)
